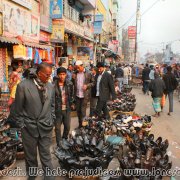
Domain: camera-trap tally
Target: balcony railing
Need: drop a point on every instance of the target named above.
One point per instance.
(70, 12)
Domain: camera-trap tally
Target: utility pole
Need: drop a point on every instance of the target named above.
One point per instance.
(137, 18)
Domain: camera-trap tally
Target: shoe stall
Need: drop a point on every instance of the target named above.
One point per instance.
(125, 138)
(10, 144)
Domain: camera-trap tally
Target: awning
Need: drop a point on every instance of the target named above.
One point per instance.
(9, 40)
(40, 46)
(16, 41)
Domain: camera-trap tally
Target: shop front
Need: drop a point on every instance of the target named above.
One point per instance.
(78, 42)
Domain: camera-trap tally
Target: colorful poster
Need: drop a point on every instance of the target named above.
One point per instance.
(19, 52)
(69, 50)
(56, 9)
(25, 3)
(17, 21)
(46, 22)
(57, 31)
(44, 36)
(83, 51)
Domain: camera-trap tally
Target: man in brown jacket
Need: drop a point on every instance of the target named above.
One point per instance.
(83, 81)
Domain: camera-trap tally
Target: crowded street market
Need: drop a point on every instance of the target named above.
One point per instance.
(83, 95)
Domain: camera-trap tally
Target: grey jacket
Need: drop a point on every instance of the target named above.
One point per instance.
(29, 112)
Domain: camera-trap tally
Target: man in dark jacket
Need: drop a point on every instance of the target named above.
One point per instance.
(157, 87)
(34, 112)
(104, 88)
(63, 103)
(93, 100)
(119, 75)
(171, 84)
(145, 79)
(83, 81)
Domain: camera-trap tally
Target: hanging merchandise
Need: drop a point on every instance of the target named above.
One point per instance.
(29, 53)
(19, 52)
(3, 59)
(79, 42)
(37, 58)
(48, 56)
(74, 39)
(66, 37)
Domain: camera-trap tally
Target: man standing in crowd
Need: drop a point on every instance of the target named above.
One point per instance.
(70, 72)
(104, 87)
(63, 102)
(157, 87)
(126, 75)
(119, 74)
(151, 74)
(171, 84)
(83, 82)
(34, 112)
(145, 79)
(93, 100)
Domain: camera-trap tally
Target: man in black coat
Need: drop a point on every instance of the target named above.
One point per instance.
(34, 112)
(171, 84)
(105, 88)
(63, 103)
(145, 79)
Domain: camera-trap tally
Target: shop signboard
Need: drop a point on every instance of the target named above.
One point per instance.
(56, 9)
(97, 27)
(73, 27)
(46, 21)
(132, 32)
(58, 31)
(44, 36)
(99, 17)
(18, 21)
(25, 3)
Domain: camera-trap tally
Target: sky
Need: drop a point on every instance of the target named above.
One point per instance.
(159, 25)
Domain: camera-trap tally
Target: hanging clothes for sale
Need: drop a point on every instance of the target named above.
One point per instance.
(37, 58)
(2, 65)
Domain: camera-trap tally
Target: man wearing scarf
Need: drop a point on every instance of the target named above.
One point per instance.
(34, 112)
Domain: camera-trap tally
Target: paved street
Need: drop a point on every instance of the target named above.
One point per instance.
(165, 126)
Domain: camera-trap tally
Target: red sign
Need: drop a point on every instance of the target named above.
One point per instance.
(44, 36)
(132, 32)
(115, 41)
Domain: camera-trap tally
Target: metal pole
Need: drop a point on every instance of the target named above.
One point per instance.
(137, 18)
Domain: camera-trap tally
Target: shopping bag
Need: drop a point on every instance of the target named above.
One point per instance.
(163, 100)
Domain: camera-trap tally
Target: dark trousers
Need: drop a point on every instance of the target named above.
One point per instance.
(66, 120)
(93, 104)
(102, 107)
(170, 97)
(81, 105)
(31, 144)
(146, 86)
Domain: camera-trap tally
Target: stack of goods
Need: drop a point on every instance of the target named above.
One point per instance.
(128, 125)
(7, 146)
(126, 103)
(86, 148)
(148, 154)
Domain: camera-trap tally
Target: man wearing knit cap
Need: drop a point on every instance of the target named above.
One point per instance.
(83, 81)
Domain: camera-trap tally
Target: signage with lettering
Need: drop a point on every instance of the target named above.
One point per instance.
(25, 3)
